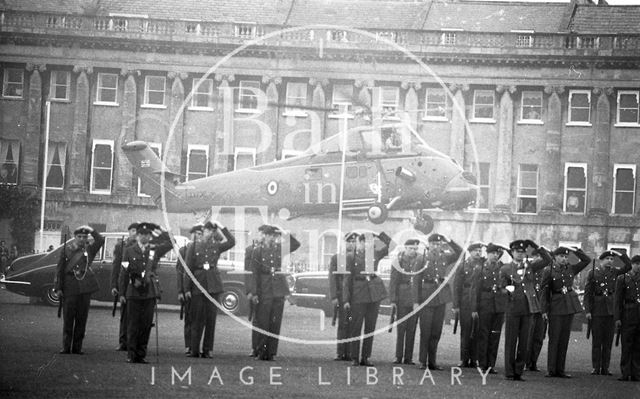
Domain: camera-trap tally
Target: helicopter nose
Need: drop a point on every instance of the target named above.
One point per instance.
(461, 191)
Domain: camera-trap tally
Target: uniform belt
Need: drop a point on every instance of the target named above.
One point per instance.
(362, 278)
(569, 289)
(433, 282)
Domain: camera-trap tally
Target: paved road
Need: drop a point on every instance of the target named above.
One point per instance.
(30, 336)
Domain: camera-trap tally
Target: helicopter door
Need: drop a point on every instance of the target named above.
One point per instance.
(362, 188)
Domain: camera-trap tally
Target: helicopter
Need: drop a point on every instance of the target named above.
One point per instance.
(366, 169)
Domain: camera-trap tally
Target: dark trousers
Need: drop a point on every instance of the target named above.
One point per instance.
(488, 338)
(536, 338)
(367, 314)
(630, 359)
(405, 334)
(122, 335)
(139, 320)
(468, 345)
(187, 323)
(342, 332)
(203, 319)
(559, 333)
(602, 332)
(516, 339)
(431, 321)
(269, 318)
(75, 310)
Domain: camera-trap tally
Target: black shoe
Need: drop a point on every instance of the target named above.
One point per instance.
(207, 355)
(339, 357)
(78, 352)
(634, 378)
(624, 378)
(193, 354)
(533, 367)
(141, 361)
(65, 351)
(509, 377)
(563, 375)
(492, 371)
(463, 364)
(435, 367)
(397, 361)
(365, 362)
(253, 354)
(346, 358)
(121, 348)
(518, 377)
(595, 372)
(423, 366)
(355, 362)
(187, 351)
(605, 372)
(551, 375)
(409, 362)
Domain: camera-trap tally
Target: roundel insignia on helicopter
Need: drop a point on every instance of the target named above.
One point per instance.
(272, 187)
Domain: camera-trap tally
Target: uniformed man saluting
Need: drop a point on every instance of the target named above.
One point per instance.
(75, 282)
(202, 259)
(118, 251)
(196, 235)
(559, 304)
(139, 287)
(268, 287)
(441, 256)
(462, 303)
(401, 297)
(362, 294)
(517, 277)
(627, 320)
(599, 292)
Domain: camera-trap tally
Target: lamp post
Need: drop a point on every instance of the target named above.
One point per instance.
(44, 173)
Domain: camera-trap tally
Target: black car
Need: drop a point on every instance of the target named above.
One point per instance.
(33, 276)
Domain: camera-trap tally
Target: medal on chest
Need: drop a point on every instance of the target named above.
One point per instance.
(206, 266)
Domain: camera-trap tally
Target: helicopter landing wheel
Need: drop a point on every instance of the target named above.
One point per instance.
(377, 213)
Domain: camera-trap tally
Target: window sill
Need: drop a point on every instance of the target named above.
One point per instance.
(60, 100)
(624, 215)
(106, 104)
(435, 119)
(340, 116)
(526, 213)
(200, 109)
(100, 192)
(584, 124)
(530, 122)
(247, 111)
(295, 114)
(623, 124)
(153, 106)
(12, 98)
(573, 213)
(477, 210)
(481, 120)
(55, 188)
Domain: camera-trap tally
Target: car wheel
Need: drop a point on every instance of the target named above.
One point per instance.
(49, 296)
(234, 301)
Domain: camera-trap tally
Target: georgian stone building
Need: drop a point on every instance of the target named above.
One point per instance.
(542, 104)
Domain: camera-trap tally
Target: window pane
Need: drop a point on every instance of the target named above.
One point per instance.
(575, 201)
(352, 172)
(108, 80)
(55, 178)
(156, 83)
(628, 101)
(198, 161)
(527, 205)
(102, 179)
(102, 154)
(342, 94)
(580, 100)
(155, 98)
(624, 203)
(625, 179)
(579, 115)
(576, 178)
(244, 161)
(629, 115)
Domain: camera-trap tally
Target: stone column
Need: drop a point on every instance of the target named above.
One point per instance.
(78, 147)
(270, 118)
(31, 148)
(318, 118)
(456, 137)
(224, 125)
(123, 172)
(504, 158)
(551, 176)
(176, 123)
(601, 188)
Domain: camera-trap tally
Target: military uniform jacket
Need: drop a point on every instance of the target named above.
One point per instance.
(600, 288)
(558, 297)
(202, 259)
(336, 280)
(427, 281)
(463, 280)
(487, 294)
(365, 288)
(118, 251)
(402, 267)
(136, 278)
(627, 298)
(73, 272)
(265, 262)
(523, 300)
